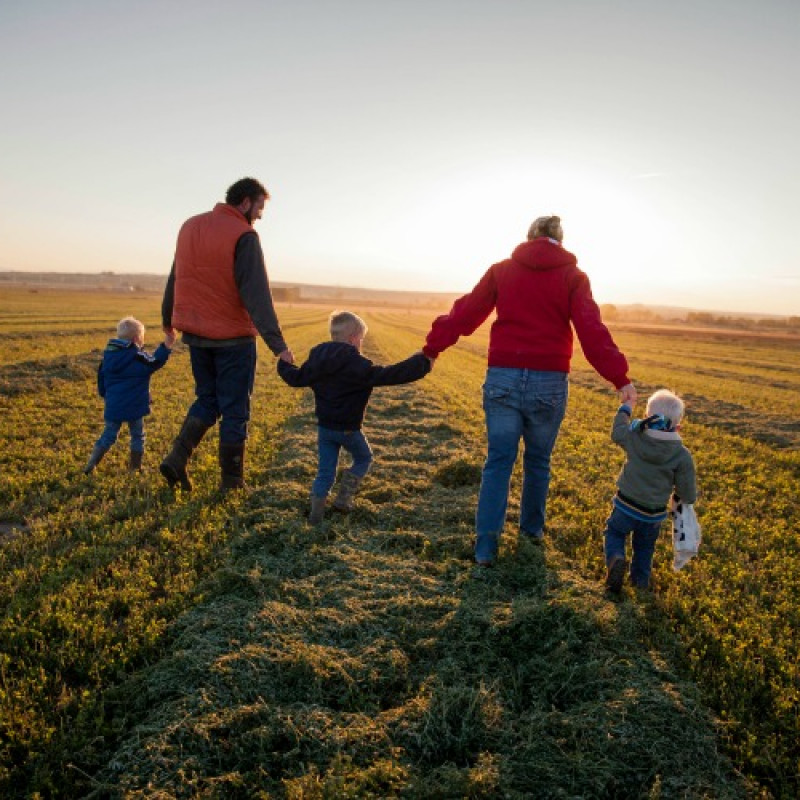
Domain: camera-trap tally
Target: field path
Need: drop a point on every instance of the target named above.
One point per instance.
(369, 658)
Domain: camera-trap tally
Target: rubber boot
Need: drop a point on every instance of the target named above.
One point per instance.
(173, 467)
(317, 509)
(135, 460)
(616, 574)
(231, 463)
(94, 459)
(347, 492)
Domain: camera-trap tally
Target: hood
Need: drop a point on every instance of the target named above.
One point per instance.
(116, 355)
(652, 445)
(331, 357)
(543, 254)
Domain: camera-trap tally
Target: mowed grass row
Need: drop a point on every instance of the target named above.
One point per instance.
(417, 695)
(49, 328)
(93, 568)
(737, 607)
(368, 657)
(49, 310)
(52, 415)
(740, 372)
(759, 406)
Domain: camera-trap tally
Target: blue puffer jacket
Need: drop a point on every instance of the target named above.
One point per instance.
(123, 378)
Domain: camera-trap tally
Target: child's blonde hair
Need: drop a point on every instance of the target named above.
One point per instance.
(668, 404)
(344, 324)
(130, 329)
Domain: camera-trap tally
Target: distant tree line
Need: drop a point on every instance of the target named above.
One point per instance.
(705, 319)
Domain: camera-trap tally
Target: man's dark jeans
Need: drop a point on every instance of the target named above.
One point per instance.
(224, 378)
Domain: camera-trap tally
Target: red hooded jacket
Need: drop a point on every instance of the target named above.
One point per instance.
(537, 293)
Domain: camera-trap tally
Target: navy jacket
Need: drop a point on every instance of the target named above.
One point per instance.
(342, 380)
(123, 378)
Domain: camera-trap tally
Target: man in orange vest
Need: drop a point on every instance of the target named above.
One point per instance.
(218, 296)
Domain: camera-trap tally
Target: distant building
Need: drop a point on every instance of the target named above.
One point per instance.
(286, 294)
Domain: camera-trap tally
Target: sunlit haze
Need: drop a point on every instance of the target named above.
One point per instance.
(409, 145)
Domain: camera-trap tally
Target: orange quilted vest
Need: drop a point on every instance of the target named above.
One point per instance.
(207, 302)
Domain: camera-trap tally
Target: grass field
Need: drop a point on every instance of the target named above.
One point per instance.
(160, 646)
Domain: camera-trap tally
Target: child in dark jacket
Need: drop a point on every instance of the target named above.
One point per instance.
(123, 381)
(656, 464)
(342, 380)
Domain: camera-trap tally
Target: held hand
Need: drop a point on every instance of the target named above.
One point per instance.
(432, 360)
(169, 338)
(627, 395)
(287, 355)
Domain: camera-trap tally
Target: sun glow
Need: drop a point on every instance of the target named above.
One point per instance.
(471, 221)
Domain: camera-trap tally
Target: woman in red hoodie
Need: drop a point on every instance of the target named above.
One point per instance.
(536, 294)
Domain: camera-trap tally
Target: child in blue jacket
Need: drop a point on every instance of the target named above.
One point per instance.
(123, 380)
(342, 380)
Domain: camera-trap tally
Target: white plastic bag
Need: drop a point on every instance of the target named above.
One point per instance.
(685, 532)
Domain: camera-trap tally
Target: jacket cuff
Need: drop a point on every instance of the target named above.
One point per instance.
(277, 349)
(625, 408)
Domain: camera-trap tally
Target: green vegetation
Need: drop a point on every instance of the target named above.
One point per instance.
(167, 646)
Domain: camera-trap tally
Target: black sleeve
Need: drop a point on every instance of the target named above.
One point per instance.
(412, 369)
(169, 299)
(250, 275)
(295, 376)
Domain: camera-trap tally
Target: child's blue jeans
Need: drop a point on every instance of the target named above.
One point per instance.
(645, 535)
(329, 443)
(111, 432)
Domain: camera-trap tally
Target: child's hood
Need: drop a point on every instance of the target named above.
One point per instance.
(118, 354)
(330, 357)
(656, 447)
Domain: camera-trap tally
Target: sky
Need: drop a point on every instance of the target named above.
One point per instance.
(409, 145)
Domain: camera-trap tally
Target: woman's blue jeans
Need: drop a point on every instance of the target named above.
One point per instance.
(111, 432)
(329, 443)
(643, 540)
(519, 404)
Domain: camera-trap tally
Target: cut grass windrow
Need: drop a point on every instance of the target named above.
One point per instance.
(98, 565)
(369, 658)
(192, 648)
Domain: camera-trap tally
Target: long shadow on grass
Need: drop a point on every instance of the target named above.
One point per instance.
(86, 597)
(365, 658)
(321, 633)
(543, 689)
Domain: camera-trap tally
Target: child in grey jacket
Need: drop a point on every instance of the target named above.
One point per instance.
(656, 464)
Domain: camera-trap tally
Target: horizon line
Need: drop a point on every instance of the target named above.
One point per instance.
(376, 290)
